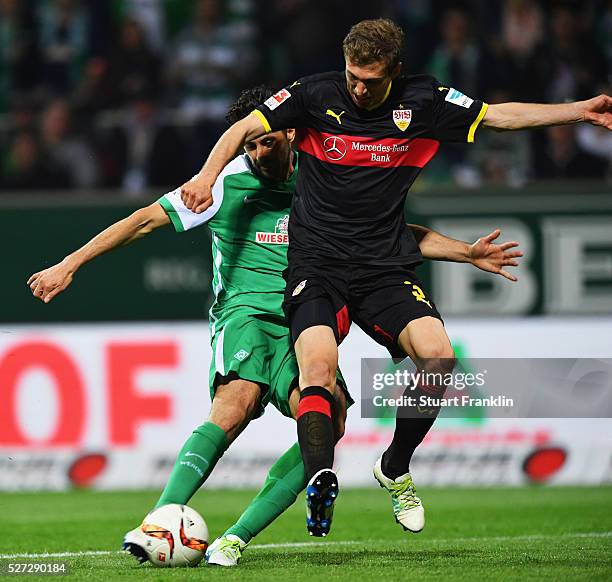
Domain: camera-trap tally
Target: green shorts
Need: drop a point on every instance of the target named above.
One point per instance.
(258, 350)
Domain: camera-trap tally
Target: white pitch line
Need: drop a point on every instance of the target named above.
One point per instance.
(110, 552)
(308, 544)
(58, 554)
(526, 538)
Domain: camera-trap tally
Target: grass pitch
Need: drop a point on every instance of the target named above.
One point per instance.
(490, 534)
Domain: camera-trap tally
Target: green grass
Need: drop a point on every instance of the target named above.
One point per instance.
(491, 534)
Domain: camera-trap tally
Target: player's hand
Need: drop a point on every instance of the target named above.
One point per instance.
(45, 285)
(196, 195)
(491, 257)
(598, 111)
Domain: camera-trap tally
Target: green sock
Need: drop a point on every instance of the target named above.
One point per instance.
(285, 480)
(194, 463)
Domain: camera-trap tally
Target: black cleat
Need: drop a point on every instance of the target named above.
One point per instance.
(321, 495)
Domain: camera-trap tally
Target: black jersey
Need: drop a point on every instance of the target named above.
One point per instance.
(357, 165)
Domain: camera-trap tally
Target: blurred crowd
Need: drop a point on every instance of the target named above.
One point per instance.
(131, 94)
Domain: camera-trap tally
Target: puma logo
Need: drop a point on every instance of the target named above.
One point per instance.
(424, 410)
(336, 116)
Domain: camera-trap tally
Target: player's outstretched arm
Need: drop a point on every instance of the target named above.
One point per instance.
(483, 254)
(46, 284)
(507, 116)
(197, 193)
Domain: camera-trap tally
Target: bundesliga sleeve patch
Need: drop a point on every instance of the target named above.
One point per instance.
(458, 98)
(277, 99)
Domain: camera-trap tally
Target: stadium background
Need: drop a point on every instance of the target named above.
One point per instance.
(106, 105)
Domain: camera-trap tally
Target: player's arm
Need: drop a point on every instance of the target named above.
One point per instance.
(197, 193)
(507, 116)
(46, 284)
(483, 254)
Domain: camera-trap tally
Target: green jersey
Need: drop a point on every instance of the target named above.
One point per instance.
(248, 219)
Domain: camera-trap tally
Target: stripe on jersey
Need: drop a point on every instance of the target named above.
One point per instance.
(262, 119)
(474, 126)
(350, 150)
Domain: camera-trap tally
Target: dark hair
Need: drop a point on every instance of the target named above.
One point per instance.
(372, 41)
(249, 99)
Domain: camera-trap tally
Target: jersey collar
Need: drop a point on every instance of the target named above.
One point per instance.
(383, 99)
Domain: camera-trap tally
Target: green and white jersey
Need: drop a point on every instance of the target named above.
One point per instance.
(248, 219)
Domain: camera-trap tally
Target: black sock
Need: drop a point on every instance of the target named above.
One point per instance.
(315, 429)
(409, 434)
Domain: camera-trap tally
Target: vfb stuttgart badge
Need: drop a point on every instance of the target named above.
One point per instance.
(402, 118)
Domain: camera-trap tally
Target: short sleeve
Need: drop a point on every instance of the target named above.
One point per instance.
(455, 115)
(184, 219)
(286, 108)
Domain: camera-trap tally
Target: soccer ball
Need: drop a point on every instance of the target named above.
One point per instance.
(176, 535)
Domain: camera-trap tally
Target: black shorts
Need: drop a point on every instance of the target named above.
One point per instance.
(380, 300)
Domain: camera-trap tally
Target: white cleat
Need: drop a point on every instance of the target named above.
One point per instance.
(135, 543)
(225, 551)
(407, 507)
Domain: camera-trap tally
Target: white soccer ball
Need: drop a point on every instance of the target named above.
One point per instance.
(176, 535)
